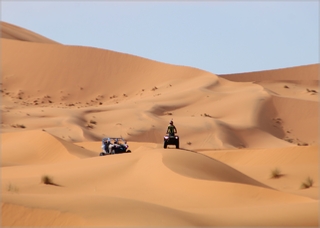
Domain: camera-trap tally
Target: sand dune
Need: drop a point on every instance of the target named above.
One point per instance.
(292, 90)
(295, 163)
(298, 73)
(59, 101)
(10, 31)
(145, 180)
(38, 147)
(24, 216)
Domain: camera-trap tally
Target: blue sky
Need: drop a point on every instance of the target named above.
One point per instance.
(217, 36)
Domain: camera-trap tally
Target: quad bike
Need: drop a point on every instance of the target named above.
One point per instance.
(118, 146)
(171, 140)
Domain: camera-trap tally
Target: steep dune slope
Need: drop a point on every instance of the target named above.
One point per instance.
(197, 166)
(10, 31)
(82, 72)
(293, 90)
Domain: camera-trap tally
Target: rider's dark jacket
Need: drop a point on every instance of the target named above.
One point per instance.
(171, 129)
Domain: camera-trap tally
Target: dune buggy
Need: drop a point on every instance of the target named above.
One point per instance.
(114, 146)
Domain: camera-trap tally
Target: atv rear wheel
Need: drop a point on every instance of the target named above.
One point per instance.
(165, 144)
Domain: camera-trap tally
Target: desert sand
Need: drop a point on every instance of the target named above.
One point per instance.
(59, 101)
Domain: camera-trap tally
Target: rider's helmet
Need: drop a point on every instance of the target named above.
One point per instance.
(171, 122)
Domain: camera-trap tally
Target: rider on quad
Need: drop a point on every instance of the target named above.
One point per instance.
(171, 130)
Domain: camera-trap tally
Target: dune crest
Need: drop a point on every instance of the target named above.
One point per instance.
(10, 31)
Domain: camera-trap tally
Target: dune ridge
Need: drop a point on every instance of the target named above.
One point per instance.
(297, 73)
(58, 102)
(10, 31)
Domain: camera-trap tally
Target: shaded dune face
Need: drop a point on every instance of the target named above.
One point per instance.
(200, 166)
(292, 90)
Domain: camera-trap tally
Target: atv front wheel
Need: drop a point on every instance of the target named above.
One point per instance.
(165, 144)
